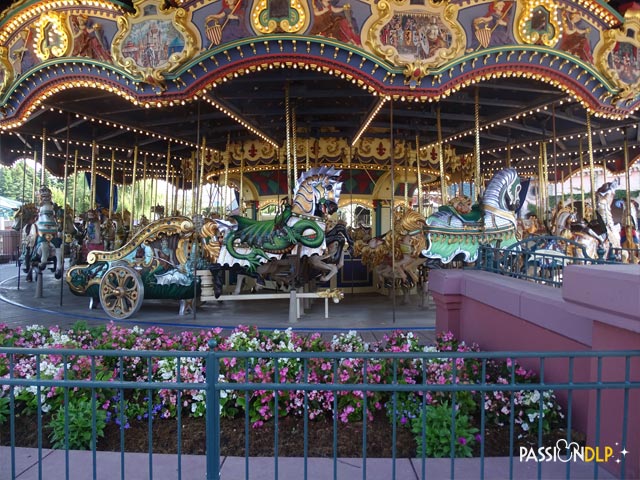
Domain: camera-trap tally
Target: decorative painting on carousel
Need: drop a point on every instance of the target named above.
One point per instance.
(618, 56)
(408, 34)
(154, 41)
(268, 182)
(360, 182)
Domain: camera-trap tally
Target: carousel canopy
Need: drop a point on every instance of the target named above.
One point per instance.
(252, 85)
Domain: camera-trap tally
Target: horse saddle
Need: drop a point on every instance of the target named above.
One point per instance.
(474, 216)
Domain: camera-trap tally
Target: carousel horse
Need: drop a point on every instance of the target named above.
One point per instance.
(92, 233)
(42, 244)
(396, 258)
(451, 233)
(336, 237)
(24, 222)
(297, 225)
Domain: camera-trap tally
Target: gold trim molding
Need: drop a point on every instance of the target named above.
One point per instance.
(52, 36)
(527, 19)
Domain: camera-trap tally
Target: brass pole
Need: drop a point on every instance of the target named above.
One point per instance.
(133, 186)
(144, 185)
(288, 141)
(420, 209)
(75, 181)
(627, 186)
(94, 155)
(241, 196)
(203, 156)
(294, 138)
(166, 177)
(570, 186)
(113, 164)
(35, 176)
(43, 178)
(406, 181)
(508, 155)
(592, 173)
(194, 172)
(581, 179)
(443, 180)
(477, 142)
(307, 159)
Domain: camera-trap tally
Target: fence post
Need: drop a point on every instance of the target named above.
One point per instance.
(212, 414)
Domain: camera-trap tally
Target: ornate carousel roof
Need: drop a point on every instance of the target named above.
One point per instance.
(254, 83)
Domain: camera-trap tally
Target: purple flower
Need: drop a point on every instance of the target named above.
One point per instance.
(478, 437)
(403, 420)
(462, 440)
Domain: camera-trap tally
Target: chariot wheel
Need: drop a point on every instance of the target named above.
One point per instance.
(121, 292)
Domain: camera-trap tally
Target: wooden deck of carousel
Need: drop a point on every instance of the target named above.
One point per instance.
(370, 314)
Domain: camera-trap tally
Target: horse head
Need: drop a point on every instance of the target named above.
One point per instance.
(26, 214)
(503, 190)
(317, 192)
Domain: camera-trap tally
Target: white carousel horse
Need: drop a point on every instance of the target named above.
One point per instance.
(451, 233)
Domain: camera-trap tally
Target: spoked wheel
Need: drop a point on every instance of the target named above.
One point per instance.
(121, 292)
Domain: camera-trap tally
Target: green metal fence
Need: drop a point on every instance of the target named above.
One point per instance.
(582, 373)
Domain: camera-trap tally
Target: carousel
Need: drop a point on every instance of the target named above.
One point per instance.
(329, 147)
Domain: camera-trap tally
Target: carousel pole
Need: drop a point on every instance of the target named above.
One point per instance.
(144, 184)
(241, 196)
(174, 185)
(307, 155)
(294, 136)
(64, 215)
(166, 177)
(420, 205)
(113, 165)
(443, 181)
(288, 141)
(476, 116)
(194, 169)
(570, 186)
(629, 220)
(392, 211)
(203, 155)
(75, 181)
(591, 171)
(581, 179)
(35, 175)
(555, 157)
(406, 181)
(24, 180)
(64, 207)
(133, 185)
(225, 189)
(43, 178)
(94, 155)
(508, 155)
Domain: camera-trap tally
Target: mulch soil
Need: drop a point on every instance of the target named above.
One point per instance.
(262, 440)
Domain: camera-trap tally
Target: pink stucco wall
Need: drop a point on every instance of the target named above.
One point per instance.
(597, 309)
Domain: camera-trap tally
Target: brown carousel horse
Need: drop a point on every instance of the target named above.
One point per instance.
(395, 259)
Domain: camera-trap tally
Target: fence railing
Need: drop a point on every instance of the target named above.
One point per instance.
(61, 380)
(541, 259)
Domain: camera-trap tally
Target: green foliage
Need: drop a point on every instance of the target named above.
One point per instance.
(80, 418)
(438, 432)
(4, 409)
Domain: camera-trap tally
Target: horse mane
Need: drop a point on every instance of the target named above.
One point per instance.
(498, 184)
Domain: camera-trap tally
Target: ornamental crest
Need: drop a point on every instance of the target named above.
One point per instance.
(618, 57)
(52, 36)
(538, 23)
(272, 16)
(417, 37)
(154, 41)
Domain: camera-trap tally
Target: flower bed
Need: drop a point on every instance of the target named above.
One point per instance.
(411, 411)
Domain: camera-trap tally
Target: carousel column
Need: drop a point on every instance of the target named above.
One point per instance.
(144, 185)
(75, 181)
(420, 199)
(477, 179)
(111, 177)
(591, 170)
(581, 180)
(166, 180)
(133, 186)
(43, 178)
(35, 176)
(629, 221)
(203, 155)
(94, 154)
(39, 276)
(443, 180)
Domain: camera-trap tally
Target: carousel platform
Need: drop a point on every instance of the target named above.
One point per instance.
(364, 312)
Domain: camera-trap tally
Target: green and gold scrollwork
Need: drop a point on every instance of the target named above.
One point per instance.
(153, 42)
